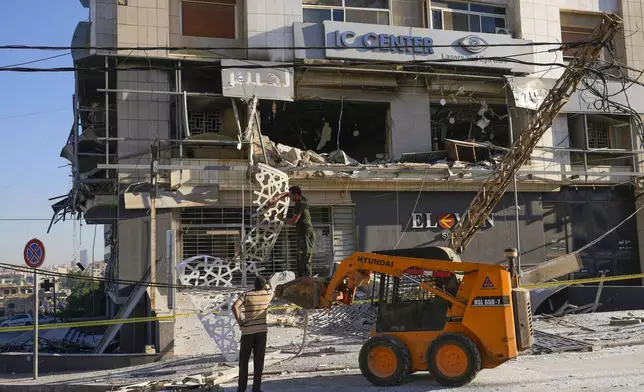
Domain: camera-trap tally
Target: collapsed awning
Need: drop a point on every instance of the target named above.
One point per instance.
(529, 93)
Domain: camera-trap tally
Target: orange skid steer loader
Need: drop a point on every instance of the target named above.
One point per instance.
(447, 317)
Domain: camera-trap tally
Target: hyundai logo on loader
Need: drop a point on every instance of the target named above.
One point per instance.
(371, 260)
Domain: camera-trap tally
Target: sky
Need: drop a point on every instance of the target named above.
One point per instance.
(35, 121)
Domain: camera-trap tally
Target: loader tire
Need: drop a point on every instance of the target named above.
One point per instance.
(385, 360)
(453, 359)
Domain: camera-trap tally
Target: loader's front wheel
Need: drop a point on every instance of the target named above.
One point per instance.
(385, 360)
(454, 359)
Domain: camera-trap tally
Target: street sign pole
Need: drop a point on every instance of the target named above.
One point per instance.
(36, 308)
(34, 255)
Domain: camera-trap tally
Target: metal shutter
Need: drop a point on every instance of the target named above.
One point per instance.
(216, 232)
(285, 250)
(343, 233)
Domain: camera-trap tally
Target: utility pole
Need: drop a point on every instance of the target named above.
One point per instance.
(54, 287)
(516, 191)
(154, 165)
(35, 338)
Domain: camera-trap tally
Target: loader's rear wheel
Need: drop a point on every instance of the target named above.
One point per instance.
(454, 359)
(385, 360)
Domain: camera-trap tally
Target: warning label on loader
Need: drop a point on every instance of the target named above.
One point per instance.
(487, 283)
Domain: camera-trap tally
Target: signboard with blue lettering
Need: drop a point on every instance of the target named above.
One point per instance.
(362, 41)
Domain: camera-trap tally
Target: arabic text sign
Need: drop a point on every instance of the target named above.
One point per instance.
(265, 80)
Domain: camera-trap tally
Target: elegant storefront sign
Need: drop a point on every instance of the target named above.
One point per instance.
(441, 221)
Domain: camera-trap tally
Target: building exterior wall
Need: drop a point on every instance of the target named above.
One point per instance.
(551, 225)
(392, 226)
(269, 26)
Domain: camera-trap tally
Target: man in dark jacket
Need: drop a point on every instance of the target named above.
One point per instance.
(305, 235)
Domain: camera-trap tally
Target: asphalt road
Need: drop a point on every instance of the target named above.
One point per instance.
(618, 369)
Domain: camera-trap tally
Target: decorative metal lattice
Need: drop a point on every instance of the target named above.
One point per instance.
(598, 136)
(204, 122)
(204, 270)
(258, 242)
(221, 326)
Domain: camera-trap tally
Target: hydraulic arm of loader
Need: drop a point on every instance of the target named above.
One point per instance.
(357, 270)
(495, 186)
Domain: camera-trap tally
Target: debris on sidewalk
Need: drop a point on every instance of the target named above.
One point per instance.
(546, 343)
(628, 320)
(200, 382)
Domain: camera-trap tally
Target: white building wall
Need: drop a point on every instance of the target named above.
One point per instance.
(270, 25)
(143, 23)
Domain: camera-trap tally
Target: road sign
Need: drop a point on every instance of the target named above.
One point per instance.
(446, 221)
(34, 253)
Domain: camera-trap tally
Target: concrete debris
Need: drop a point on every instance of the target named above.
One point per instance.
(568, 308)
(459, 154)
(199, 382)
(625, 320)
(340, 157)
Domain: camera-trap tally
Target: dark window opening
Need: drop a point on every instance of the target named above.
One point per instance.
(210, 120)
(483, 124)
(607, 139)
(313, 125)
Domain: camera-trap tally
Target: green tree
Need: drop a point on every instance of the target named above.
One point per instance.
(80, 302)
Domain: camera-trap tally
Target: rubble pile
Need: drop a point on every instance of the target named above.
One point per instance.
(56, 341)
(458, 154)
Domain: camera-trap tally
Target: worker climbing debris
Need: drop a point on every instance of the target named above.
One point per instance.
(305, 234)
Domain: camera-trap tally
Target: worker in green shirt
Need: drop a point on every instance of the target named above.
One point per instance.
(302, 220)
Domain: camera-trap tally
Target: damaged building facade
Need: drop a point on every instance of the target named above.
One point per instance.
(389, 114)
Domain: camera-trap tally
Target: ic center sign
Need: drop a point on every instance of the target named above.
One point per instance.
(444, 221)
(385, 42)
(361, 41)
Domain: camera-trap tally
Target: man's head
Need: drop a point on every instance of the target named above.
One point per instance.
(260, 283)
(295, 193)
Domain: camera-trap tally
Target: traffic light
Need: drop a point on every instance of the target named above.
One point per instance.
(46, 285)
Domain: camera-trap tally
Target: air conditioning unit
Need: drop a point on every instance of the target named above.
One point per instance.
(503, 30)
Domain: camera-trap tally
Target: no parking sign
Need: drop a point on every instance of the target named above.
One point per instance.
(34, 253)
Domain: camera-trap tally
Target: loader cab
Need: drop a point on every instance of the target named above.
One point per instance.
(404, 306)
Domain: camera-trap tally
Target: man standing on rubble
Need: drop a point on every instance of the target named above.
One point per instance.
(254, 331)
(305, 235)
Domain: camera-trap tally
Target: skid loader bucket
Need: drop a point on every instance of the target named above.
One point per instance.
(304, 292)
